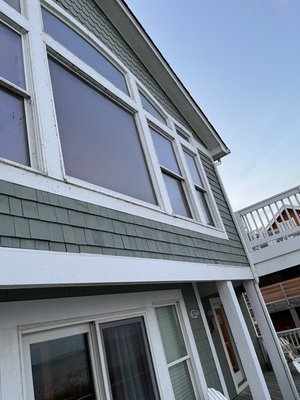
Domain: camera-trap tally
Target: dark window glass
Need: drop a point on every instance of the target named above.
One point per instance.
(128, 360)
(151, 109)
(13, 134)
(193, 169)
(61, 369)
(14, 3)
(11, 59)
(99, 139)
(82, 49)
(183, 135)
(205, 209)
(177, 196)
(165, 152)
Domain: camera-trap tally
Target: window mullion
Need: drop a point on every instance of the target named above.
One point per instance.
(178, 361)
(44, 119)
(149, 150)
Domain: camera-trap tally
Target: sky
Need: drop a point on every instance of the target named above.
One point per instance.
(240, 61)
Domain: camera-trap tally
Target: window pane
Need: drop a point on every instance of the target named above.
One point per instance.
(165, 152)
(99, 139)
(181, 382)
(171, 334)
(193, 169)
(14, 3)
(177, 196)
(61, 369)
(82, 49)
(11, 59)
(207, 214)
(130, 369)
(183, 135)
(151, 109)
(13, 134)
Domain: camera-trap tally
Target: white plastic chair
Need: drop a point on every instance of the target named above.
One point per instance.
(213, 394)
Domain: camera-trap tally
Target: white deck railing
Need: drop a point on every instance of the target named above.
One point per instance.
(293, 337)
(272, 220)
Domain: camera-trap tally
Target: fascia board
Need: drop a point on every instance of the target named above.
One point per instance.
(136, 37)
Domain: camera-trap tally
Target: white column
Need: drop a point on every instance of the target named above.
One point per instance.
(210, 340)
(279, 364)
(243, 341)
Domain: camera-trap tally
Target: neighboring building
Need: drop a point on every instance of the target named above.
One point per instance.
(121, 266)
(271, 229)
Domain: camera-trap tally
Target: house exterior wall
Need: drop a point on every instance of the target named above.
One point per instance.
(36, 219)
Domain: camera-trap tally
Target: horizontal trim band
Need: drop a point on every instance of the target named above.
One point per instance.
(36, 268)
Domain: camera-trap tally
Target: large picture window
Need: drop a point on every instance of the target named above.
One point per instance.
(99, 138)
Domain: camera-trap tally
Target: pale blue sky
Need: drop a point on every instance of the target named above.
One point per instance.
(240, 60)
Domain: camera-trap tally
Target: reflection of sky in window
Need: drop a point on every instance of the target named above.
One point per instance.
(56, 348)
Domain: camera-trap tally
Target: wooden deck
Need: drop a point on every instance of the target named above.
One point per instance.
(272, 385)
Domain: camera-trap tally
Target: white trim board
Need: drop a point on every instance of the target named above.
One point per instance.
(30, 268)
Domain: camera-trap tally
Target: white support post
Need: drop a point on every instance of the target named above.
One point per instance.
(279, 364)
(210, 340)
(243, 341)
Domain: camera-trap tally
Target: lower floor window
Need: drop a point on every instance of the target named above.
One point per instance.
(61, 369)
(128, 361)
(139, 356)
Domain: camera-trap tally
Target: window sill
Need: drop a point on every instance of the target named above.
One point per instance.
(83, 191)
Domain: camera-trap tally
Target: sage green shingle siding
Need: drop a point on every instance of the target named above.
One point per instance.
(90, 15)
(35, 219)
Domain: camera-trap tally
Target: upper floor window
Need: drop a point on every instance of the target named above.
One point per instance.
(183, 135)
(171, 173)
(99, 138)
(14, 3)
(61, 368)
(83, 49)
(65, 111)
(13, 135)
(148, 106)
(206, 215)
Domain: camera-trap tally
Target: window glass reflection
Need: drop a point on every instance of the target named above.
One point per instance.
(176, 195)
(99, 138)
(11, 59)
(13, 133)
(165, 152)
(14, 3)
(129, 365)
(151, 109)
(61, 369)
(82, 49)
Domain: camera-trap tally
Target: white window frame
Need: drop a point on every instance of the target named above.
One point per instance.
(51, 319)
(196, 379)
(47, 171)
